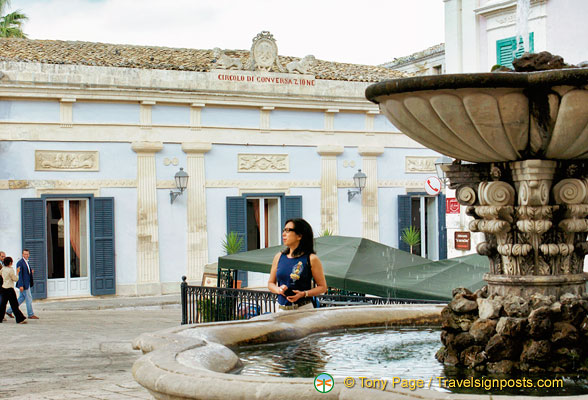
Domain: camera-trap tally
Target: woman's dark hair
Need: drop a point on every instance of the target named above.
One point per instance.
(7, 261)
(306, 245)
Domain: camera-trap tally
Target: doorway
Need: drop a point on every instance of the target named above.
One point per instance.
(263, 230)
(427, 214)
(263, 223)
(68, 247)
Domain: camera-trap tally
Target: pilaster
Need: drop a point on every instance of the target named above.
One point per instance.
(369, 196)
(66, 112)
(329, 195)
(146, 114)
(264, 119)
(197, 234)
(369, 122)
(330, 121)
(196, 116)
(147, 224)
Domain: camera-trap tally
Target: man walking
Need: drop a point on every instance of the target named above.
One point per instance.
(25, 278)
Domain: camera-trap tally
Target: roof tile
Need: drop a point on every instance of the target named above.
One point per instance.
(152, 57)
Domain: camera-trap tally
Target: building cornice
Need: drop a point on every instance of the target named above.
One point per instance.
(501, 6)
(204, 98)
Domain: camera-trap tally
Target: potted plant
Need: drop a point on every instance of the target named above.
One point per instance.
(232, 243)
(411, 236)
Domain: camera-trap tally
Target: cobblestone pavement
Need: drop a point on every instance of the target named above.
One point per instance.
(77, 353)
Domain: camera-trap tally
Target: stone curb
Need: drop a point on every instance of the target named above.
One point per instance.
(108, 302)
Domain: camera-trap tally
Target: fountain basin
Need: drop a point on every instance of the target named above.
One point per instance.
(194, 361)
(492, 117)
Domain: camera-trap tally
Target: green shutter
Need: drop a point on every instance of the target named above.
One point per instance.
(442, 226)
(404, 215)
(237, 218)
(506, 50)
(103, 266)
(291, 208)
(33, 238)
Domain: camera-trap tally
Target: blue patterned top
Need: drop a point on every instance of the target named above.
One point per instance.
(294, 273)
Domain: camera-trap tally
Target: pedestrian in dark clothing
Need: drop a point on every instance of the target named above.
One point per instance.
(8, 294)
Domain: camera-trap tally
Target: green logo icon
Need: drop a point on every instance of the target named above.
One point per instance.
(324, 383)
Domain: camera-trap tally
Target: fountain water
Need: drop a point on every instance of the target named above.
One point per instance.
(523, 9)
(527, 190)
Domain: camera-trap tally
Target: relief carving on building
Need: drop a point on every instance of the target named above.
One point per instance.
(241, 184)
(264, 54)
(300, 66)
(419, 165)
(68, 184)
(55, 160)
(225, 62)
(263, 163)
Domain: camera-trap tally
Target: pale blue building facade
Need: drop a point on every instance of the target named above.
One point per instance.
(88, 155)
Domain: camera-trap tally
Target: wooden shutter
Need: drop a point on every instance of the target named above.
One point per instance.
(404, 216)
(291, 208)
(34, 238)
(506, 50)
(103, 266)
(442, 226)
(237, 218)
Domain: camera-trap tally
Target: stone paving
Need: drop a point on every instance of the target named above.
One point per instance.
(81, 349)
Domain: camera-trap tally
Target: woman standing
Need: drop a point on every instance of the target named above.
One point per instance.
(8, 294)
(294, 268)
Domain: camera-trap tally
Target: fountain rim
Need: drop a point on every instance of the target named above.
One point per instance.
(522, 80)
(164, 375)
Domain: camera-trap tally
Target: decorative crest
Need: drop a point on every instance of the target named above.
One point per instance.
(264, 54)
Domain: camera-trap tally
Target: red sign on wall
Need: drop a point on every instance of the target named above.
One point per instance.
(462, 241)
(451, 206)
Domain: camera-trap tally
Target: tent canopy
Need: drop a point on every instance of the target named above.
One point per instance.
(364, 266)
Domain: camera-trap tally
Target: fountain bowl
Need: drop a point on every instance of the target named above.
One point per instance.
(195, 361)
(492, 117)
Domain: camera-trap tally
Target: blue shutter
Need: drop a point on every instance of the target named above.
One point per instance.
(103, 267)
(291, 208)
(442, 227)
(506, 50)
(33, 238)
(237, 218)
(404, 215)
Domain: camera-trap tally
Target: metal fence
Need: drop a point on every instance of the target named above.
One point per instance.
(210, 304)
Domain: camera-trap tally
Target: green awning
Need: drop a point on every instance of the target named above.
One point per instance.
(364, 266)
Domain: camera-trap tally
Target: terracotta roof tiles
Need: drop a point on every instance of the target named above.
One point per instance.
(152, 57)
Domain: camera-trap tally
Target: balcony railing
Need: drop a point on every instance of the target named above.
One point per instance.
(210, 304)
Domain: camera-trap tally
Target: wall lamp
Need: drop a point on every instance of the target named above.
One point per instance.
(439, 163)
(181, 179)
(359, 180)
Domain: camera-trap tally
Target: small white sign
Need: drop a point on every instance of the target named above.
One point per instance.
(433, 185)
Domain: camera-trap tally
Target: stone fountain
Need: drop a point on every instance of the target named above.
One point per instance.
(525, 138)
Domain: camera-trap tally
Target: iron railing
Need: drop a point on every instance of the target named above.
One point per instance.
(211, 304)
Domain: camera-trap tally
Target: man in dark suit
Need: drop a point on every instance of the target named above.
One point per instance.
(24, 284)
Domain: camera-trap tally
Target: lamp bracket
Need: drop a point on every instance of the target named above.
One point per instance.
(173, 194)
(351, 194)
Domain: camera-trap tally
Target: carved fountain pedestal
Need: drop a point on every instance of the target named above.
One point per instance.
(526, 187)
(533, 214)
